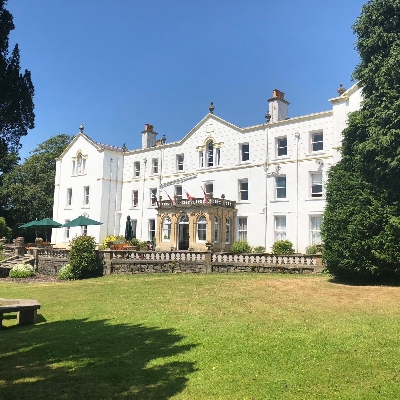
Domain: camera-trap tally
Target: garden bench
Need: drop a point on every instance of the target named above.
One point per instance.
(27, 310)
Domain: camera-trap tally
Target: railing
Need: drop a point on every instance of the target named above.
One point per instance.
(198, 201)
(155, 255)
(267, 259)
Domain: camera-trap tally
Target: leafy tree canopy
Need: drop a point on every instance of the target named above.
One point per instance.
(361, 226)
(27, 192)
(16, 93)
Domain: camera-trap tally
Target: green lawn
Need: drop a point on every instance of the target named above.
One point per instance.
(203, 337)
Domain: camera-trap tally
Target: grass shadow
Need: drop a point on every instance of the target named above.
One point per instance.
(389, 282)
(81, 359)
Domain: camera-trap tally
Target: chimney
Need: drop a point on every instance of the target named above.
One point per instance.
(278, 106)
(148, 136)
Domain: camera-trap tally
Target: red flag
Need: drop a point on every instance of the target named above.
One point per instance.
(170, 198)
(205, 196)
(190, 198)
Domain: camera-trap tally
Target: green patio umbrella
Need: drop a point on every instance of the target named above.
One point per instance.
(81, 221)
(43, 223)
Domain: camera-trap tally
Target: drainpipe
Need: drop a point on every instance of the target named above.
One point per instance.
(267, 118)
(142, 208)
(116, 199)
(109, 197)
(297, 136)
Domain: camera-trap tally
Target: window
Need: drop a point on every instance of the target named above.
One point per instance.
(280, 184)
(317, 141)
(201, 228)
(67, 232)
(135, 198)
(179, 162)
(154, 166)
(227, 230)
(69, 196)
(166, 229)
(316, 222)
(153, 197)
(242, 228)
(244, 152)
(136, 168)
(84, 230)
(316, 185)
(134, 227)
(217, 156)
(201, 159)
(243, 190)
(86, 192)
(209, 188)
(216, 230)
(282, 146)
(280, 228)
(152, 229)
(178, 193)
(73, 168)
(210, 154)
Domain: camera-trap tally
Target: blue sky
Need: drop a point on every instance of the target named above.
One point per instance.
(116, 65)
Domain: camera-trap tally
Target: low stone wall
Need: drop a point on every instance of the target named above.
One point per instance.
(49, 262)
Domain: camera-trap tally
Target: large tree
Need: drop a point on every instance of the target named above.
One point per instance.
(361, 227)
(27, 192)
(16, 93)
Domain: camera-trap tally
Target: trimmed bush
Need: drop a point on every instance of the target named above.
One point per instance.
(82, 258)
(65, 273)
(259, 249)
(283, 247)
(312, 249)
(241, 246)
(22, 271)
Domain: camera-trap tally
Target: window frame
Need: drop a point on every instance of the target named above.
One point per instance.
(201, 229)
(67, 232)
(314, 143)
(243, 192)
(180, 162)
(86, 195)
(166, 227)
(153, 200)
(242, 228)
(319, 194)
(135, 198)
(176, 194)
(317, 230)
(69, 197)
(244, 155)
(280, 234)
(136, 169)
(279, 148)
(154, 166)
(216, 230)
(228, 230)
(279, 189)
(206, 187)
(151, 223)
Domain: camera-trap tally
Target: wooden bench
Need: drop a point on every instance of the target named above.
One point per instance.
(27, 310)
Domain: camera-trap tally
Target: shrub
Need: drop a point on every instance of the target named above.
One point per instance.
(65, 273)
(259, 249)
(22, 271)
(108, 241)
(283, 247)
(313, 249)
(135, 242)
(82, 258)
(241, 246)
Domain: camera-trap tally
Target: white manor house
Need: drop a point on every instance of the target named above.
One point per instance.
(218, 184)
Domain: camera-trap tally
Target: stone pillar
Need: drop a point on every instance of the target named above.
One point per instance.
(207, 263)
(39, 242)
(19, 244)
(107, 262)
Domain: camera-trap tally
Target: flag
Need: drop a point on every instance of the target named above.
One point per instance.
(190, 198)
(170, 198)
(205, 196)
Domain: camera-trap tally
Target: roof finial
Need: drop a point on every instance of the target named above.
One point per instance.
(341, 89)
(81, 128)
(211, 108)
(124, 148)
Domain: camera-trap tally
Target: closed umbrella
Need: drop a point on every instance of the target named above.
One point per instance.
(128, 229)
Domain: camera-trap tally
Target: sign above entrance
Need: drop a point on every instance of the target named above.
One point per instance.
(180, 180)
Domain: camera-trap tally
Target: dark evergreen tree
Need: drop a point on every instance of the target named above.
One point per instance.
(361, 228)
(16, 93)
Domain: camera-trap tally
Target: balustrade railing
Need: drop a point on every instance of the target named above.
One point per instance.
(267, 259)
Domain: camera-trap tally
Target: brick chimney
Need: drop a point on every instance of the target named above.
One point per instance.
(278, 106)
(148, 136)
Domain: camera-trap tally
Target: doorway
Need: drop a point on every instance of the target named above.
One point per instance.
(183, 233)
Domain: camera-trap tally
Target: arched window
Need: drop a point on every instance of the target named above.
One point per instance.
(210, 154)
(227, 230)
(166, 229)
(216, 230)
(201, 229)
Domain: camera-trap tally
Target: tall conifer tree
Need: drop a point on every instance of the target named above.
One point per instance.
(16, 93)
(361, 228)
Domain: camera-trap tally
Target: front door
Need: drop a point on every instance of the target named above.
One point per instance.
(183, 233)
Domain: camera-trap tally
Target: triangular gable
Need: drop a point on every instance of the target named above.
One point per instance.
(75, 139)
(345, 95)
